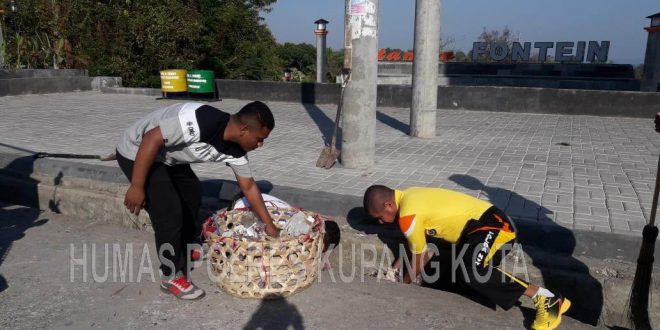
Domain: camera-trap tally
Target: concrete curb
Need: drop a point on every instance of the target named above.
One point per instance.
(59, 84)
(130, 90)
(95, 192)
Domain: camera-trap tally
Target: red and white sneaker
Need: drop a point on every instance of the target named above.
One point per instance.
(181, 288)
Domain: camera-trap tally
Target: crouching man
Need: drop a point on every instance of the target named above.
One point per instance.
(477, 229)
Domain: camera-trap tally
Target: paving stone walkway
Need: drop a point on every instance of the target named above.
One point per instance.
(580, 172)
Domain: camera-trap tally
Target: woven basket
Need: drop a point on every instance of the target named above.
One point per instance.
(269, 268)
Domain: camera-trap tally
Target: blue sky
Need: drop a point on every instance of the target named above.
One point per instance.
(619, 21)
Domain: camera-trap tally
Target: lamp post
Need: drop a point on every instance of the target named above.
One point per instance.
(2, 38)
(320, 32)
(652, 58)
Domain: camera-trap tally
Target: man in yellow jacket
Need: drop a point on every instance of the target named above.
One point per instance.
(478, 230)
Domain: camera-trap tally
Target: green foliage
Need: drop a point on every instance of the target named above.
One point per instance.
(461, 57)
(335, 63)
(301, 60)
(301, 57)
(639, 71)
(137, 39)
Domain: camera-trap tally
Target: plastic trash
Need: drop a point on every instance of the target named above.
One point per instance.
(298, 224)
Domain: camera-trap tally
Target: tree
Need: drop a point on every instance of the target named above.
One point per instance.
(491, 37)
(301, 57)
(234, 36)
(335, 64)
(461, 57)
(137, 39)
(507, 37)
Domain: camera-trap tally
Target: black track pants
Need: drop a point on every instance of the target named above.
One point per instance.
(483, 246)
(173, 198)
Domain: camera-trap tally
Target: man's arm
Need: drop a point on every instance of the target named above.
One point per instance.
(151, 144)
(412, 228)
(253, 194)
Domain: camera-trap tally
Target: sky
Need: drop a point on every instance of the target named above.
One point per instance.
(619, 21)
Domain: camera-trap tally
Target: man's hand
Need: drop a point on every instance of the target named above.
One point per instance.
(253, 195)
(391, 275)
(134, 200)
(272, 231)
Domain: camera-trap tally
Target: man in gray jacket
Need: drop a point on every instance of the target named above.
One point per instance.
(155, 153)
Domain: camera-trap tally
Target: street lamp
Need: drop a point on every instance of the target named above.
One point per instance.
(320, 32)
(651, 72)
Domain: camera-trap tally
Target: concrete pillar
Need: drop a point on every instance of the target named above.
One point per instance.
(321, 32)
(347, 34)
(652, 59)
(425, 68)
(359, 117)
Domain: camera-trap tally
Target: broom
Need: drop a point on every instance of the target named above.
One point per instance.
(639, 294)
(104, 158)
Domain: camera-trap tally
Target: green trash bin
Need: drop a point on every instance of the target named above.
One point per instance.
(200, 81)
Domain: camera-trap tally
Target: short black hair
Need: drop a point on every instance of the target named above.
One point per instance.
(375, 196)
(332, 235)
(256, 112)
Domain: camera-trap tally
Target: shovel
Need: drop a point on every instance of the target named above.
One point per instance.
(330, 153)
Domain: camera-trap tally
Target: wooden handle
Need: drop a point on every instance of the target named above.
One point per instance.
(654, 205)
(345, 76)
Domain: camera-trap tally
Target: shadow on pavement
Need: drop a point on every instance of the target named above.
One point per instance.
(551, 248)
(275, 315)
(390, 235)
(15, 221)
(392, 122)
(323, 122)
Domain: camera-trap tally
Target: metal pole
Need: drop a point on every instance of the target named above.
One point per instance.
(425, 68)
(359, 120)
